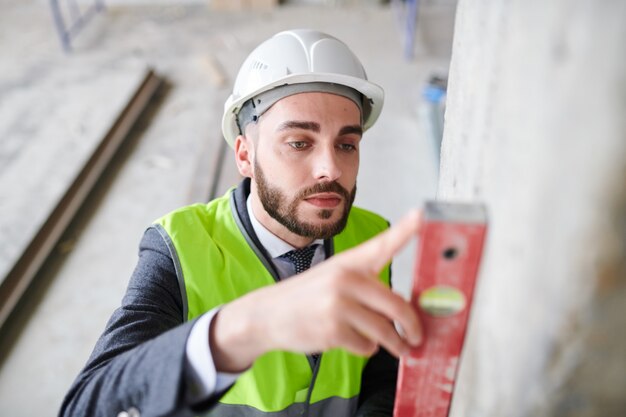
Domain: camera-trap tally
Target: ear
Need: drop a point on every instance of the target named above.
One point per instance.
(244, 154)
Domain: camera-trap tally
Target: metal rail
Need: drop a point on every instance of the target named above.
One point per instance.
(21, 275)
(406, 14)
(77, 19)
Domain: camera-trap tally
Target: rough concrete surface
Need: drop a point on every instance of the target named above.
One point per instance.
(55, 330)
(47, 142)
(535, 128)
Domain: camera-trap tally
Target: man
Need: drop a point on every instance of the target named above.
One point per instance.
(213, 321)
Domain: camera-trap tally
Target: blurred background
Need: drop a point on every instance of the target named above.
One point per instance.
(110, 117)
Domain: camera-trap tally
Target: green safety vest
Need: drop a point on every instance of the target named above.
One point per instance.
(216, 264)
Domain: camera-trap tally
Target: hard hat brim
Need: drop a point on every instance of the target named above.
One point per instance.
(372, 93)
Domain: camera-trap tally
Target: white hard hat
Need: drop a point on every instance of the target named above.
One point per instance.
(299, 57)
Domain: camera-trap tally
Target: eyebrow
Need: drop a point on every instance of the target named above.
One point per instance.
(296, 124)
(353, 129)
(315, 127)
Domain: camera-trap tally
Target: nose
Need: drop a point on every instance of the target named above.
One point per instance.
(326, 164)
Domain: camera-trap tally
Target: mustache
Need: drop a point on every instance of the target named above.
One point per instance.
(324, 187)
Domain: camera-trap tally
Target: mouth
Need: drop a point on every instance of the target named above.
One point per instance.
(324, 200)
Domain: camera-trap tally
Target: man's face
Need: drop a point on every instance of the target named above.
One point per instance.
(306, 159)
(285, 210)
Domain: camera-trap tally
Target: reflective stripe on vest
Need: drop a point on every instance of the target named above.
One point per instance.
(330, 407)
(215, 264)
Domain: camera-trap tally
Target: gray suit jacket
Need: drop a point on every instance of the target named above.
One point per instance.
(139, 361)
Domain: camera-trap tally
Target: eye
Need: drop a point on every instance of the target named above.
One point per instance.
(347, 147)
(298, 145)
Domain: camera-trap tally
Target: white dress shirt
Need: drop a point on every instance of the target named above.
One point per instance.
(203, 378)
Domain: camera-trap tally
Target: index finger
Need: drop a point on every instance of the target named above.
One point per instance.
(378, 251)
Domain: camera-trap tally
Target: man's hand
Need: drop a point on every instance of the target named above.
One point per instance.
(339, 303)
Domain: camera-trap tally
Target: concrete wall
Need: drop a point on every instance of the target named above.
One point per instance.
(536, 128)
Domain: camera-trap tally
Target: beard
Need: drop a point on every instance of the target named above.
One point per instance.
(285, 211)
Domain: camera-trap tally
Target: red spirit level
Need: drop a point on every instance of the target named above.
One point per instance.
(448, 256)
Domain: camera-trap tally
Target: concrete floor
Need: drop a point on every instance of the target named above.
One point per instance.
(54, 331)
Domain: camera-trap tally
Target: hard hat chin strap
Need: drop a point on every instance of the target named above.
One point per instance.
(256, 106)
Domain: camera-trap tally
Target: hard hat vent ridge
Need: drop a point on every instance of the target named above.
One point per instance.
(258, 65)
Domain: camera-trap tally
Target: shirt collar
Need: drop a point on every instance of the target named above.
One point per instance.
(274, 245)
